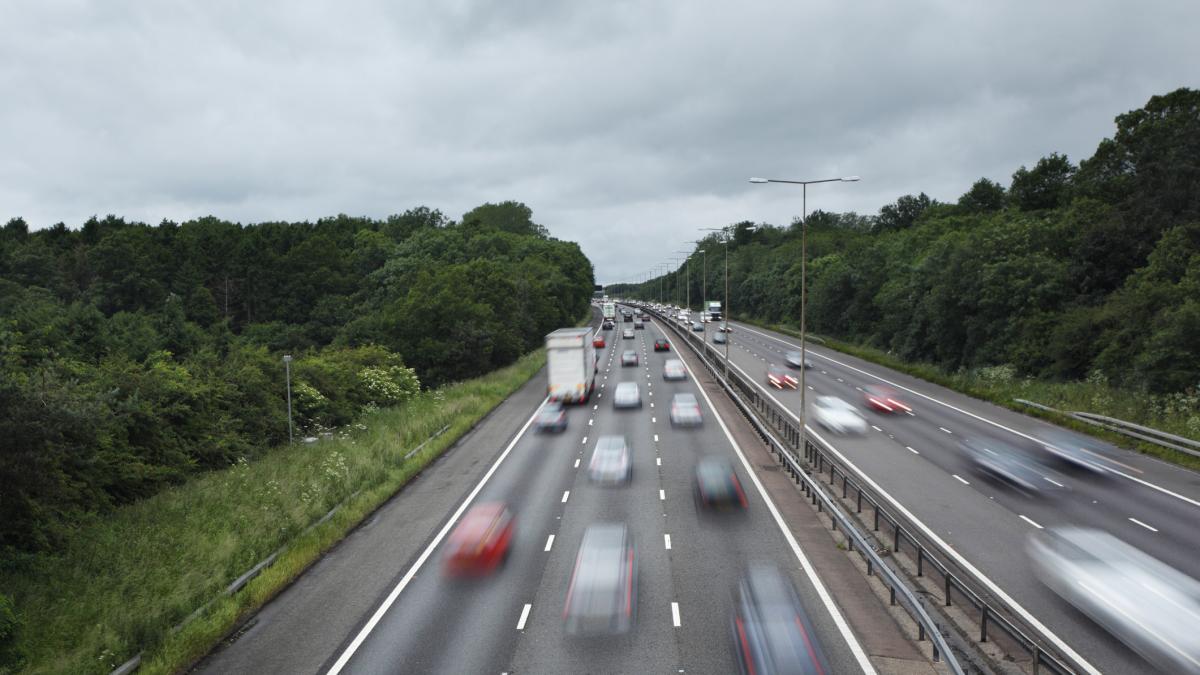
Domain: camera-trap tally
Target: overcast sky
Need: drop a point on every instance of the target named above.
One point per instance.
(625, 126)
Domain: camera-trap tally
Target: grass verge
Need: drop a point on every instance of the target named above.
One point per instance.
(125, 579)
(1178, 413)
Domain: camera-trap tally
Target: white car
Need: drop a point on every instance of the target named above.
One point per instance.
(626, 395)
(673, 370)
(838, 416)
(610, 461)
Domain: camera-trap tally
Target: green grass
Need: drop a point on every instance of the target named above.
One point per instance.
(1177, 413)
(124, 579)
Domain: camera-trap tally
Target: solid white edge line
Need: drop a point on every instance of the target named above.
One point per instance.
(524, 616)
(968, 413)
(958, 557)
(826, 599)
(416, 566)
(549, 542)
(675, 614)
(1030, 521)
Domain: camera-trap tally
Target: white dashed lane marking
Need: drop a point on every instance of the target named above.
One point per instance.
(1031, 522)
(566, 493)
(960, 479)
(549, 542)
(1138, 522)
(524, 616)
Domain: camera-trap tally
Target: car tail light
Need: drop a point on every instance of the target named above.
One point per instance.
(812, 654)
(741, 631)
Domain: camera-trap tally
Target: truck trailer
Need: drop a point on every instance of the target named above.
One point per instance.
(610, 311)
(571, 365)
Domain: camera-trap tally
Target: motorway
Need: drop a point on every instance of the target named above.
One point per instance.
(420, 621)
(915, 459)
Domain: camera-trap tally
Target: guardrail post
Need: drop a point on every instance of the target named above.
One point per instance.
(920, 561)
(896, 539)
(859, 501)
(983, 624)
(946, 576)
(892, 595)
(845, 487)
(876, 506)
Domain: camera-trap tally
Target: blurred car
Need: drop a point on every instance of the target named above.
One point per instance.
(725, 328)
(628, 316)
(598, 341)
(629, 358)
(480, 542)
(627, 334)
(685, 411)
(1074, 451)
(794, 360)
(697, 326)
(662, 345)
(683, 317)
(838, 416)
(1007, 463)
(552, 417)
(607, 325)
(717, 485)
(626, 395)
(611, 461)
(1150, 606)
(602, 595)
(883, 399)
(639, 325)
(771, 631)
(673, 370)
(719, 338)
(779, 378)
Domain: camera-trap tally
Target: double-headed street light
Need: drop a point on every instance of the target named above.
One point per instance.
(804, 274)
(725, 310)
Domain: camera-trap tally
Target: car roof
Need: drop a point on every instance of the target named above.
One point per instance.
(685, 397)
(627, 385)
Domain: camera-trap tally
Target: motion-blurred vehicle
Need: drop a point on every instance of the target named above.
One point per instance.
(662, 345)
(629, 358)
(683, 317)
(795, 360)
(639, 325)
(883, 399)
(838, 416)
(571, 365)
(598, 341)
(602, 595)
(1074, 451)
(717, 485)
(480, 542)
(608, 325)
(697, 327)
(725, 328)
(673, 370)
(626, 395)
(719, 338)
(1150, 606)
(1007, 463)
(771, 631)
(628, 316)
(611, 461)
(685, 411)
(781, 379)
(627, 334)
(552, 417)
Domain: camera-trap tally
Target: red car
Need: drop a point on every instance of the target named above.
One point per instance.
(598, 342)
(779, 378)
(882, 399)
(480, 542)
(662, 346)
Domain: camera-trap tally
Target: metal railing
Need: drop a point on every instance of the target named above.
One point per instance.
(1149, 434)
(814, 467)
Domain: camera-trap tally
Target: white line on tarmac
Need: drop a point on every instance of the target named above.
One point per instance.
(1138, 522)
(524, 616)
(909, 448)
(1031, 522)
(549, 542)
(667, 541)
(960, 479)
(675, 614)
(662, 495)
(566, 493)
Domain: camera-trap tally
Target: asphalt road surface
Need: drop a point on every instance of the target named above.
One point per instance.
(916, 459)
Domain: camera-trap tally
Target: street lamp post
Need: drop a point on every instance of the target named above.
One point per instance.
(725, 313)
(687, 283)
(287, 367)
(804, 275)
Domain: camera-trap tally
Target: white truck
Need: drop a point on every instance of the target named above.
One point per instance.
(712, 310)
(571, 365)
(610, 311)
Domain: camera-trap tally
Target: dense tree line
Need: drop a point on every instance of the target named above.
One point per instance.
(132, 356)
(1068, 271)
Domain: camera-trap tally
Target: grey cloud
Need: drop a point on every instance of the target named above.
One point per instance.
(624, 125)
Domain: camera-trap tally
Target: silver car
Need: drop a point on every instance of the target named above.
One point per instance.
(685, 411)
(1150, 606)
(611, 461)
(673, 370)
(602, 597)
(838, 416)
(627, 395)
